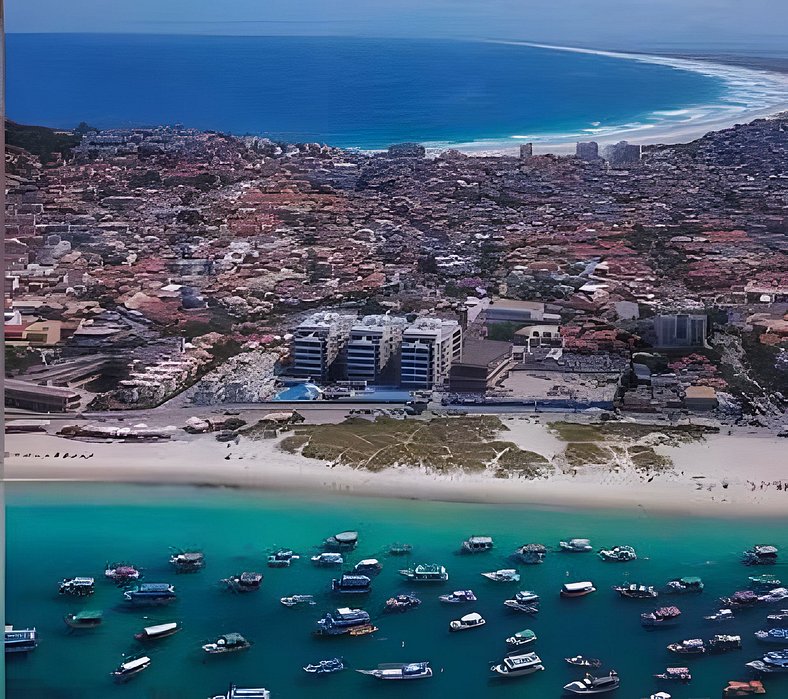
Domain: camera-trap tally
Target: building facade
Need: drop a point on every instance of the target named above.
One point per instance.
(373, 347)
(429, 346)
(681, 330)
(318, 342)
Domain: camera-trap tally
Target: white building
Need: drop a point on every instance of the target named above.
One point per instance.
(318, 341)
(429, 346)
(374, 343)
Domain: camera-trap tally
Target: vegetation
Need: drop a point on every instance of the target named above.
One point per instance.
(42, 141)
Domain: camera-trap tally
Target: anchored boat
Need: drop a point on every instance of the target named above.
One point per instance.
(675, 674)
(227, 643)
(760, 555)
(244, 582)
(298, 601)
(243, 693)
(575, 546)
(470, 621)
(341, 621)
(518, 665)
(369, 566)
(352, 585)
(426, 573)
(779, 636)
(282, 558)
(401, 603)
(524, 601)
(722, 643)
(458, 597)
(692, 646)
(344, 541)
(84, 620)
(325, 667)
(743, 689)
(400, 549)
(503, 575)
(741, 599)
(594, 685)
(400, 671)
(582, 661)
(77, 587)
(122, 573)
(766, 582)
(521, 638)
(477, 544)
(324, 560)
(664, 616)
(129, 668)
(618, 554)
(532, 554)
(150, 593)
(636, 591)
(20, 640)
(774, 662)
(577, 589)
(187, 561)
(158, 631)
(684, 585)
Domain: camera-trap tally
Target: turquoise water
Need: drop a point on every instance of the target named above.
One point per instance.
(68, 530)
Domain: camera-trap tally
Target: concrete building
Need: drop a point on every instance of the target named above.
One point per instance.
(700, 398)
(513, 311)
(318, 341)
(539, 336)
(41, 399)
(429, 346)
(623, 154)
(484, 364)
(588, 150)
(526, 150)
(373, 347)
(681, 330)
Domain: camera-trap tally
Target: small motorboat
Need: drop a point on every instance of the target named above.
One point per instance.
(236, 692)
(129, 668)
(282, 558)
(401, 603)
(680, 586)
(774, 662)
(582, 661)
(518, 665)
(723, 643)
(760, 555)
(227, 643)
(664, 616)
(778, 594)
(741, 599)
(158, 631)
(577, 589)
(779, 636)
(400, 671)
(150, 594)
(477, 544)
(675, 674)
(400, 549)
(344, 541)
(618, 554)
(298, 601)
(532, 554)
(594, 685)
(122, 573)
(503, 575)
(721, 615)
(77, 587)
(187, 561)
(521, 638)
(244, 582)
(782, 615)
(426, 573)
(765, 582)
(474, 620)
(636, 591)
(458, 597)
(363, 630)
(325, 667)
(575, 546)
(84, 620)
(692, 646)
(524, 601)
(369, 566)
(341, 621)
(743, 689)
(324, 560)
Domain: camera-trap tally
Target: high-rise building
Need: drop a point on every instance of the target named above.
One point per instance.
(429, 346)
(526, 150)
(588, 150)
(622, 154)
(318, 341)
(681, 330)
(373, 346)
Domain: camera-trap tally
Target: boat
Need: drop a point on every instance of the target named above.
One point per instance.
(298, 601)
(158, 631)
(469, 621)
(743, 689)
(400, 671)
(582, 661)
(521, 638)
(676, 674)
(518, 665)
(282, 558)
(362, 630)
(774, 662)
(341, 621)
(150, 593)
(20, 640)
(723, 643)
(760, 555)
(324, 560)
(740, 599)
(344, 541)
(577, 589)
(664, 616)
(77, 587)
(684, 585)
(477, 544)
(720, 615)
(325, 667)
(122, 573)
(532, 554)
(766, 582)
(227, 643)
(594, 685)
(88, 619)
(401, 603)
(692, 646)
(369, 566)
(618, 554)
(128, 668)
(503, 575)
(779, 636)
(244, 693)
(426, 573)
(244, 582)
(782, 615)
(400, 549)
(458, 597)
(187, 561)
(351, 584)
(778, 594)
(524, 601)
(636, 591)
(575, 546)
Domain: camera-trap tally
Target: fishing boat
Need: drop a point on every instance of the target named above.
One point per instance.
(282, 558)
(779, 636)
(187, 561)
(401, 603)
(344, 541)
(675, 674)
(636, 591)
(351, 585)
(89, 619)
(477, 544)
(684, 585)
(778, 594)
(772, 663)
(20, 640)
(341, 621)
(692, 646)
(664, 616)
(244, 582)
(473, 620)
(521, 638)
(369, 566)
(227, 643)
(575, 546)
(532, 554)
(741, 599)
(760, 555)
(458, 597)
(325, 560)
(577, 589)
(325, 667)
(618, 554)
(743, 689)
(721, 615)
(503, 575)
(400, 671)
(236, 692)
(363, 630)
(298, 601)
(150, 593)
(524, 601)
(722, 643)
(158, 631)
(129, 668)
(582, 661)
(518, 665)
(122, 573)
(77, 587)
(400, 549)
(766, 582)
(782, 615)
(426, 573)
(594, 685)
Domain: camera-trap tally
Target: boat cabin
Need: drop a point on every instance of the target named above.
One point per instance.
(20, 640)
(477, 544)
(577, 589)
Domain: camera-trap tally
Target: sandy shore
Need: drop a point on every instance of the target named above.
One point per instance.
(721, 476)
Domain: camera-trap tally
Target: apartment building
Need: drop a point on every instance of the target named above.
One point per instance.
(318, 342)
(373, 347)
(429, 346)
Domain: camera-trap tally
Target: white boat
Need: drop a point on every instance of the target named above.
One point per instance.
(778, 594)
(524, 601)
(521, 638)
(503, 575)
(618, 554)
(458, 597)
(368, 566)
(152, 633)
(227, 643)
(400, 671)
(245, 693)
(477, 544)
(328, 559)
(575, 546)
(129, 668)
(594, 685)
(577, 589)
(779, 636)
(20, 640)
(720, 615)
(426, 573)
(518, 665)
(469, 621)
(298, 600)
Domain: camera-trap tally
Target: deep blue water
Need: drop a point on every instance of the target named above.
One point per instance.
(344, 91)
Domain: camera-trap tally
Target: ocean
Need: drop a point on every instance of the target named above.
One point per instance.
(366, 93)
(57, 531)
